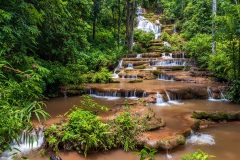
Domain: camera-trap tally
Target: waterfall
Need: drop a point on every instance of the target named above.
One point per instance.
(165, 78)
(164, 55)
(169, 156)
(130, 66)
(133, 94)
(200, 138)
(139, 56)
(211, 97)
(115, 75)
(109, 95)
(27, 142)
(145, 25)
(169, 62)
(223, 98)
(160, 100)
(166, 44)
(183, 56)
(144, 94)
(174, 29)
(65, 94)
(172, 101)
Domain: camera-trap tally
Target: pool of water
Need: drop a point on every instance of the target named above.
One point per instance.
(226, 136)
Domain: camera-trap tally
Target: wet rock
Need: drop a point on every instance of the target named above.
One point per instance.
(217, 116)
(53, 157)
(165, 143)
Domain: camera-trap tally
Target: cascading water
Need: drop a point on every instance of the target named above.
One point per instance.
(27, 142)
(145, 25)
(223, 98)
(174, 29)
(164, 55)
(130, 66)
(109, 95)
(211, 96)
(165, 78)
(160, 100)
(173, 100)
(200, 138)
(169, 62)
(166, 44)
(139, 56)
(144, 94)
(115, 75)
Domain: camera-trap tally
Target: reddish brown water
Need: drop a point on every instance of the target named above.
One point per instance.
(226, 136)
(148, 85)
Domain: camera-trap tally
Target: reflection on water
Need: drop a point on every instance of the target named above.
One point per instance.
(226, 136)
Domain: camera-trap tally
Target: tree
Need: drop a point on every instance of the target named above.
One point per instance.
(130, 13)
(214, 11)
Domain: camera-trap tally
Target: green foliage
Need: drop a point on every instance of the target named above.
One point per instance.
(143, 37)
(91, 105)
(165, 36)
(83, 131)
(125, 131)
(234, 91)
(147, 153)
(103, 76)
(199, 48)
(199, 155)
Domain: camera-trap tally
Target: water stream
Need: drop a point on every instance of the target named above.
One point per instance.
(225, 137)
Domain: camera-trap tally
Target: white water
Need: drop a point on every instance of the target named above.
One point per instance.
(139, 56)
(130, 66)
(107, 95)
(211, 97)
(170, 62)
(172, 101)
(27, 142)
(164, 55)
(165, 78)
(166, 44)
(200, 138)
(115, 75)
(145, 25)
(160, 100)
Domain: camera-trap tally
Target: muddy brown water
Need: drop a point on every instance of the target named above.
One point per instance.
(148, 85)
(226, 136)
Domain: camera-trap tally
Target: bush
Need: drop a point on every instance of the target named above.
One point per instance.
(199, 155)
(143, 37)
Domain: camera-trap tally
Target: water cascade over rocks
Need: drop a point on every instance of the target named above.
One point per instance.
(115, 75)
(160, 100)
(26, 143)
(200, 138)
(145, 25)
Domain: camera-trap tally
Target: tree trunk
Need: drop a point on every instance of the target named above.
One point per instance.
(119, 22)
(214, 9)
(131, 7)
(94, 27)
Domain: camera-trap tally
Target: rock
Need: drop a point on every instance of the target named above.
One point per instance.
(53, 157)
(165, 144)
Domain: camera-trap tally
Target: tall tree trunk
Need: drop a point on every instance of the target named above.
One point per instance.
(131, 7)
(94, 27)
(119, 22)
(214, 10)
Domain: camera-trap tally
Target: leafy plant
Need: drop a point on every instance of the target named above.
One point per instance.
(198, 155)
(147, 153)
